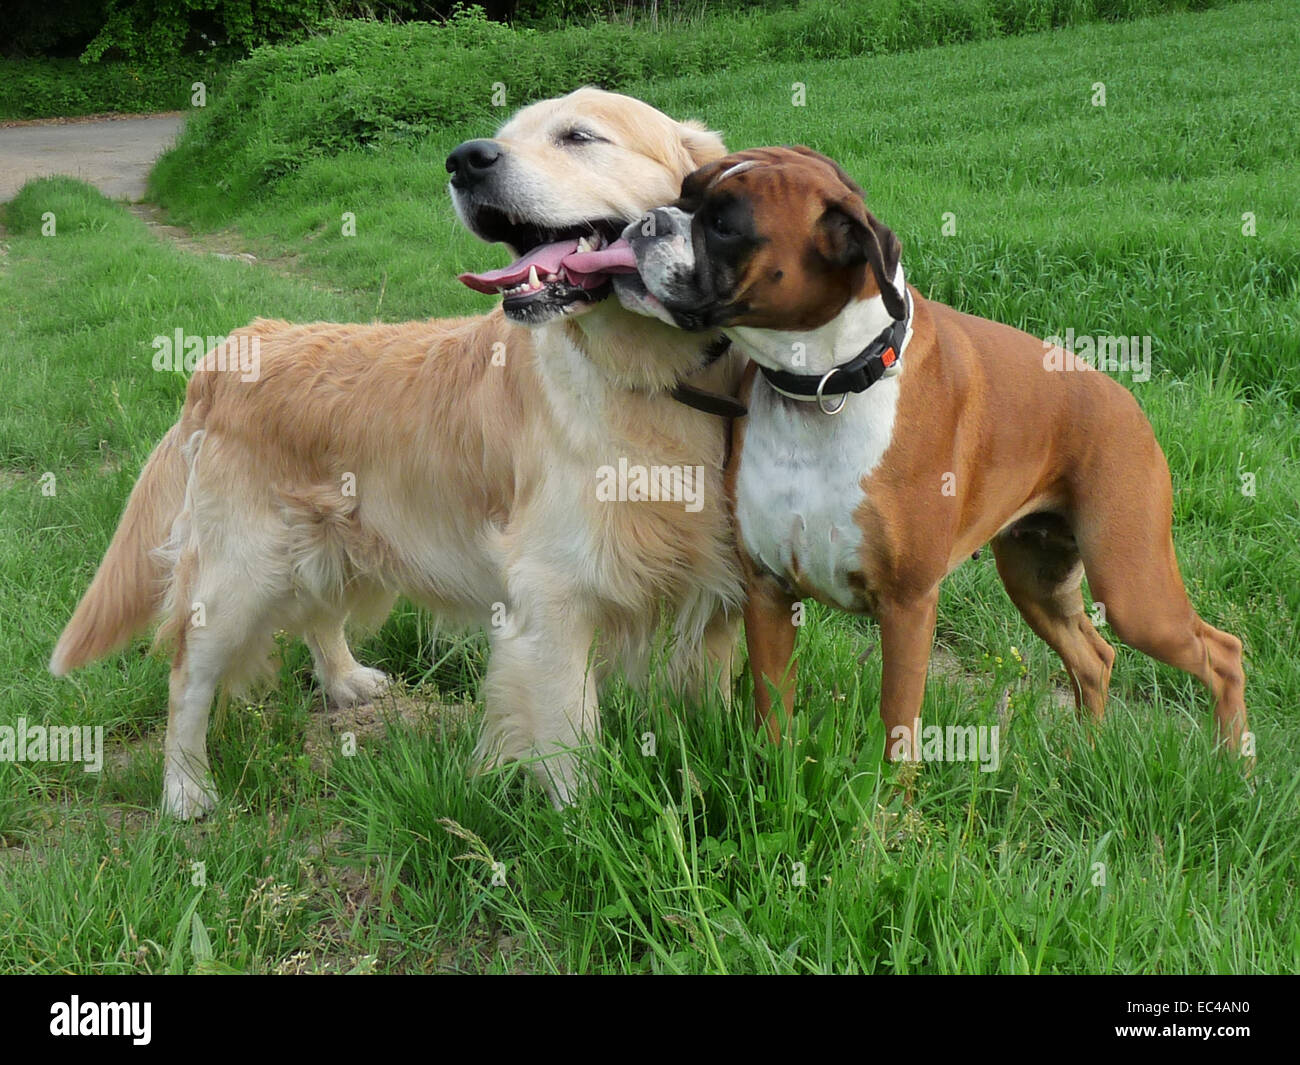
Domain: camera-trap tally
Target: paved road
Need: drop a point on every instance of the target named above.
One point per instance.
(114, 155)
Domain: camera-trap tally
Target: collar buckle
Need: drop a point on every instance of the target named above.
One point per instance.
(821, 400)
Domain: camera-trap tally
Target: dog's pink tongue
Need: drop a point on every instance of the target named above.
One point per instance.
(615, 259)
(546, 257)
(587, 269)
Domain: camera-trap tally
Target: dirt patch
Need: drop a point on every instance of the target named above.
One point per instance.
(369, 723)
(947, 667)
(364, 725)
(224, 245)
(221, 245)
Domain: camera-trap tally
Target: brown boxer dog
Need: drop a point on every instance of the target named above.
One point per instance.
(889, 437)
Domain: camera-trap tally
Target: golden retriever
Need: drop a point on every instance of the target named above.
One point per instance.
(515, 469)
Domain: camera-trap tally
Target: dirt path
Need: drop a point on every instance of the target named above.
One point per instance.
(113, 154)
(223, 246)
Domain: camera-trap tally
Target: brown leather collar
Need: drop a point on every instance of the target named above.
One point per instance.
(710, 402)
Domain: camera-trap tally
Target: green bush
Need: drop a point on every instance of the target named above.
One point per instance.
(39, 88)
(156, 29)
(159, 29)
(366, 84)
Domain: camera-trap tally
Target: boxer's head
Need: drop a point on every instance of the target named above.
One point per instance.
(770, 238)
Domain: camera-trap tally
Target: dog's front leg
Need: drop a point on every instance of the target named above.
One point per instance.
(540, 692)
(906, 637)
(770, 632)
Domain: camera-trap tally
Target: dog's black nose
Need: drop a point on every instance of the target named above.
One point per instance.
(471, 161)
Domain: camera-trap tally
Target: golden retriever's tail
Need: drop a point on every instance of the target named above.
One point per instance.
(128, 588)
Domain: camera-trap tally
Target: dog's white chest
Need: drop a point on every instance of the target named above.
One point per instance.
(800, 484)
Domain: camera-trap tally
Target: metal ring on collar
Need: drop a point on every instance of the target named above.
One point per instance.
(821, 401)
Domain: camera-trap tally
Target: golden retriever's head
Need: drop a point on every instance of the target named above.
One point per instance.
(559, 182)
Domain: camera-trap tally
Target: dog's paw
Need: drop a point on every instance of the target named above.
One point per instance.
(362, 685)
(185, 798)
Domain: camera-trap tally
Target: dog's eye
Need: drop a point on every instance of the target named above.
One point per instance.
(719, 225)
(578, 136)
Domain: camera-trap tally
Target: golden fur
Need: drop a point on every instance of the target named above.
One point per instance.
(367, 461)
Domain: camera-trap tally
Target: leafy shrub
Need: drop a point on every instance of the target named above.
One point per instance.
(38, 88)
(157, 29)
(367, 84)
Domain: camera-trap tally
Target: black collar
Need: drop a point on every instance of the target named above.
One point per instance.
(704, 400)
(856, 375)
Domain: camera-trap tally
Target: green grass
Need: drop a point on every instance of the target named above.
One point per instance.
(433, 72)
(375, 86)
(686, 860)
(1124, 219)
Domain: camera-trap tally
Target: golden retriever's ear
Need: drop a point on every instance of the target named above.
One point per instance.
(700, 144)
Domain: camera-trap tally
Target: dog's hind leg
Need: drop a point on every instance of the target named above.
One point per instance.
(214, 626)
(1129, 555)
(221, 622)
(345, 680)
(1039, 564)
(188, 788)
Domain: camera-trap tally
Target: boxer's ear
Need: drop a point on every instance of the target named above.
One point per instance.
(887, 251)
(851, 236)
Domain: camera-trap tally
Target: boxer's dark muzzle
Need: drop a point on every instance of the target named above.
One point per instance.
(677, 277)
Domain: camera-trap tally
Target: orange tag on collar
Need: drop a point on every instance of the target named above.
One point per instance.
(888, 358)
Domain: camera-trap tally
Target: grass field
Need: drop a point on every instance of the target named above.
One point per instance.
(1169, 212)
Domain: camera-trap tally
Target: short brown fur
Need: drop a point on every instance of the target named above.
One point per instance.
(1060, 470)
